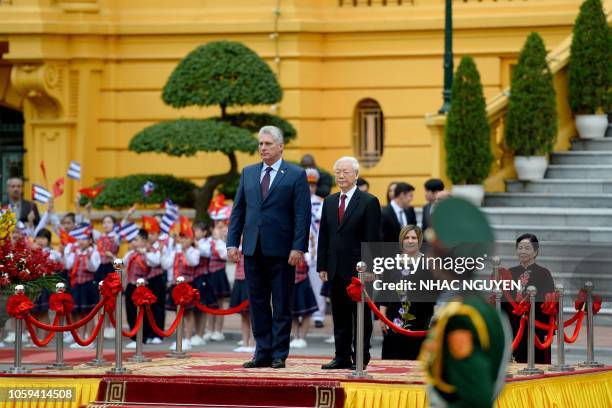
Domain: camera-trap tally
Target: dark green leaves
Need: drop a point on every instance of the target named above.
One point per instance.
(590, 66)
(531, 122)
(255, 121)
(467, 141)
(221, 73)
(186, 137)
(123, 192)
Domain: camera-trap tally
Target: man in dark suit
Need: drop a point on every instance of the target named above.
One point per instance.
(398, 213)
(324, 184)
(272, 214)
(17, 204)
(348, 218)
(432, 187)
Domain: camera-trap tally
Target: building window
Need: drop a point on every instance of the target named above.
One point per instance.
(369, 132)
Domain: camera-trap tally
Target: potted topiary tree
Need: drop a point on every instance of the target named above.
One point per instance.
(468, 136)
(589, 70)
(531, 122)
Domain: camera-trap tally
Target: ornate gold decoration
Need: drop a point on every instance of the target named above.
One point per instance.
(42, 84)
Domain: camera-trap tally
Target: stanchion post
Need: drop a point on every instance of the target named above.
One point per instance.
(531, 368)
(359, 372)
(560, 366)
(139, 357)
(17, 368)
(118, 368)
(59, 339)
(590, 361)
(496, 263)
(178, 351)
(99, 361)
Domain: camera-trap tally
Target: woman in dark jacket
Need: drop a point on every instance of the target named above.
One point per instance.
(405, 311)
(530, 274)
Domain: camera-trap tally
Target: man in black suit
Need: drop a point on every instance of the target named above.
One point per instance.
(17, 204)
(324, 184)
(348, 218)
(432, 187)
(398, 213)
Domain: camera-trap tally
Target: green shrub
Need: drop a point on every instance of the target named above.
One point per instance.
(123, 192)
(467, 138)
(590, 65)
(531, 122)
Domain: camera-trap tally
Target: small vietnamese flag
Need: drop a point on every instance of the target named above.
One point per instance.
(58, 187)
(66, 238)
(92, 192)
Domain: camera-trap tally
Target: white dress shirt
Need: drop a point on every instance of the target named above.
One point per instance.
(349, 195)
(275, 168)
(399, 213)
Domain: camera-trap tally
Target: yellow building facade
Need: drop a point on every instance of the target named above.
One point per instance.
(87, 75)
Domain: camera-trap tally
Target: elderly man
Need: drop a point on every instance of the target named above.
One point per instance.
(272, 214)
(17, 204)
(348, 218)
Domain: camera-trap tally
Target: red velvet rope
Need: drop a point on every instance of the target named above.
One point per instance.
(131, 333)
(94, 333)
(172, 328)
(397, 329)
(577, 328)
(222, 312)
(549, 336)
(76, 325)
(32, 330)
(519, 334)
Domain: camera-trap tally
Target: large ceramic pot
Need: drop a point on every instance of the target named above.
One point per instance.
(592, 126)
(474, 193)
(530, 167)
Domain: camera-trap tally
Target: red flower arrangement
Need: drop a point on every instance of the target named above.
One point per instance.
(22, 264)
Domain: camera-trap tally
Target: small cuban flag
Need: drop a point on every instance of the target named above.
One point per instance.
(83, 231)
(40, 194)
(128, 231)
(170, 216)
(147, 188)
(74, 170)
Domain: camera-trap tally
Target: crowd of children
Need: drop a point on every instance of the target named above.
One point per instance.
(197, 252)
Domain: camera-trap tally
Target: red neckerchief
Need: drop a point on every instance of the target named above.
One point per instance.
(178, 258)
(77, 265)
(138, 259)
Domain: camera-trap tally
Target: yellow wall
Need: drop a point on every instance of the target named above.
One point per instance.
(89, 73)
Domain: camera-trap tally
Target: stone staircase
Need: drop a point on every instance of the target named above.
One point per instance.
(570, 211)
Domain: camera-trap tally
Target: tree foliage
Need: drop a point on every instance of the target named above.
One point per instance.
(221, 73)
(590, 65)
(531, 122)
(255, 121)
(186, 137)
(123, 192)
(226, 74)
(467, 139)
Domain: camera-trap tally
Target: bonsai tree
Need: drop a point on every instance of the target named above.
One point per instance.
(467, 138)
(225, 74)
(531, 122)
(590, 65)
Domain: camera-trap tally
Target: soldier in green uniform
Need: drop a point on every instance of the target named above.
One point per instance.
(468, 345)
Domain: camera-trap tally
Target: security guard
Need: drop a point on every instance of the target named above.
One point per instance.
(468, 345)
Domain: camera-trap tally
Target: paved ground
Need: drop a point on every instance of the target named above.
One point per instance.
(318, 347)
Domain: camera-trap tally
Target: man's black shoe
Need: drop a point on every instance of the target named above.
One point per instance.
(257, 363)
(337, 365)
(319, 324)
(278, 363)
